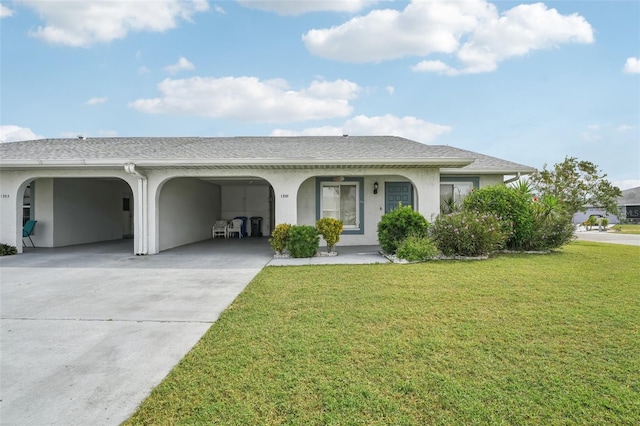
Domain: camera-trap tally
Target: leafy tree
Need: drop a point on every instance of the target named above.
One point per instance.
(577, 184)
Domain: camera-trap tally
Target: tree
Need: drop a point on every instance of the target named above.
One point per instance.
(576, 185)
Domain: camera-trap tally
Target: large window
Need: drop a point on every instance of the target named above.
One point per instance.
(454, 190)
(342, 200)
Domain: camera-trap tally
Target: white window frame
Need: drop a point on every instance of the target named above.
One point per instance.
(356, 184)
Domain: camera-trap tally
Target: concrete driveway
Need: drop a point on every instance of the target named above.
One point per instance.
(88, 331)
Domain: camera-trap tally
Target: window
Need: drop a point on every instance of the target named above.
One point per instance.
(454, 189)
(341, 200)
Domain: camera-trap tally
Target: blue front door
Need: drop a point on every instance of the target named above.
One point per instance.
(397, 192)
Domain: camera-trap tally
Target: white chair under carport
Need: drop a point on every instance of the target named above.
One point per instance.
(235, 227)
(219, 229)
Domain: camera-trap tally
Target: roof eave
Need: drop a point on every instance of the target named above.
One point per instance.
(227, 162)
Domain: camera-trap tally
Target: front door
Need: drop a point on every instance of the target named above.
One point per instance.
(397, 192)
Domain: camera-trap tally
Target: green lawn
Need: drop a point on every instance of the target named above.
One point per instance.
(627, 228)
(516, 339)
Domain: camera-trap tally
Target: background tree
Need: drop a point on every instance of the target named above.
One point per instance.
(576, 185)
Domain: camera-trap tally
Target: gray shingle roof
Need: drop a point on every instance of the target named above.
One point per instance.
(252, 150)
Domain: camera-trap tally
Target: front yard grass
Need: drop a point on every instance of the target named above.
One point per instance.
(516, 339)
(627, 228)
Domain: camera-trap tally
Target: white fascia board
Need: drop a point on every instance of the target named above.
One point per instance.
(430, 162)
(450, 171)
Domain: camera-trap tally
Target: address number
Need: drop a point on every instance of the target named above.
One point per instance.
(284, 195)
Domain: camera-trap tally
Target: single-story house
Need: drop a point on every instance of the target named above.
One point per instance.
(169, 191)
(628, 209)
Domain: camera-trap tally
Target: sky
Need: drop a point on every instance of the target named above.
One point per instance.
(529, 82)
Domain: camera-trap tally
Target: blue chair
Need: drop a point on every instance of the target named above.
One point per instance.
(27, 230)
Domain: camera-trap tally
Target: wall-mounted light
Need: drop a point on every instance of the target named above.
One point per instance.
(375, 187)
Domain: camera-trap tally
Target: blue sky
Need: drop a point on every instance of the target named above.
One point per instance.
(524, 81)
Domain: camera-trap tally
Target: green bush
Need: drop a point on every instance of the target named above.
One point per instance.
(279, 237)
(604, 222)
(395, 226)
(7, 250)
(330, 229)
(511, 205)
(468, 233)
(553, 226)
(417, 249)
(303, 241)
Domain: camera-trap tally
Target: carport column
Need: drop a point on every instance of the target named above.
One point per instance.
(10, 202)
(427, 183)
(285, 187)
(141, 230)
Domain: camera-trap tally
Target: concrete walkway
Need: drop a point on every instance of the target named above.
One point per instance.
(86, 332)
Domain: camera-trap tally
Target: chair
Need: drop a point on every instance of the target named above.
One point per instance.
(235, 228)
(219, 229)
(27, 230)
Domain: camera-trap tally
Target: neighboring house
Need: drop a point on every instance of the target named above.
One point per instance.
(168, 192)
(628, 208)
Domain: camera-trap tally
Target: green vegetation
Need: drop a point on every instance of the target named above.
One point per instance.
(626, 228)
(516, 339)
(395, 226)
(303, 241)
(468, 233)
(576, 184)
(330, 229)
(417, 249)
(279, 237)
(7, 250)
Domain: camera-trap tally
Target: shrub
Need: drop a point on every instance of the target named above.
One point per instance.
(7, 250)
(279, 237)
(303, 241)
(468, 233)
(604, 222)
(553, 226)
(416, 249)
(512, 205)
(395, 226)
(330, 229)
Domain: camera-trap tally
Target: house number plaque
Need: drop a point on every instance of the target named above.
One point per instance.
(284, 195)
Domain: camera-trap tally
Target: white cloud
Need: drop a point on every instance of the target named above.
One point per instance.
(626, 183)
(442, 26)
(624, 128)
(5, 12)
(183, 64)
(143, 70)
(10, 133)
(299, 7)
(220, 10)
(390, 89)
(84, 23)
(386, 125)
(632, 66)
(96, 101)
(251, 100)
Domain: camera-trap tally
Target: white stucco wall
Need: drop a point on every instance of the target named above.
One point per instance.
(247, 201)
(188, 208)
(86, 210)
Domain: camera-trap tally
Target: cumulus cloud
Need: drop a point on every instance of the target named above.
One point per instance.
(250, 99)
(84, 23)
(386, 125)
(11, 133)
(5, 12)
(96, 101)
(632, 66)
(220, 10)
(473, 31)
(300, 7)
(390, 89)
(183, 64)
